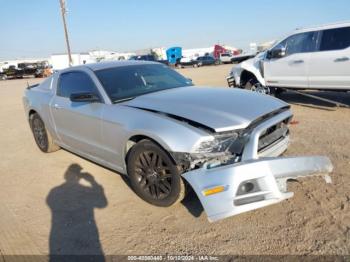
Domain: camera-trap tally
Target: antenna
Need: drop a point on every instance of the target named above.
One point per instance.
(64, 11)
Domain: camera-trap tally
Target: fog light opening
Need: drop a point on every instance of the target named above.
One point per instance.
(247, 187)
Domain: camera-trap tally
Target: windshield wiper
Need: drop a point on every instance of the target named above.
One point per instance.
(123, 100)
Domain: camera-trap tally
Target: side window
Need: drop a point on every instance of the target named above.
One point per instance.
(335, 39)
(75, 82)
(301, 43)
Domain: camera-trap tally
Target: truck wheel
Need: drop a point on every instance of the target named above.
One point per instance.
(276, 91)
(153, 175)
(3, 77)
(195, 65)
(254, 85)
(42, 136)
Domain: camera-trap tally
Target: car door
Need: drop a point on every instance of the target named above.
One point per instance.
(291, 69)
(211, 61)
(207, 60)
(77, 124)
(330, 65)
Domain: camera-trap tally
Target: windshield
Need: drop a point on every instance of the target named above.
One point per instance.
(126, 82)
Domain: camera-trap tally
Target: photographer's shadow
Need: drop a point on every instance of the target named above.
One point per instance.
(74, 230)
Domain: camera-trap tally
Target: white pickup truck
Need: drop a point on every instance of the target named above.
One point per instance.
(225, 58)
(314, 58)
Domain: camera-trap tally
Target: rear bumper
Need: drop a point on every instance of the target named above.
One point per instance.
(268, 176)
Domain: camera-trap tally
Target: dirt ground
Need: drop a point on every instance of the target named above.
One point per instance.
(43, 204)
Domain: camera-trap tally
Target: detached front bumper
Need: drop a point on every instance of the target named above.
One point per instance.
(233, 189)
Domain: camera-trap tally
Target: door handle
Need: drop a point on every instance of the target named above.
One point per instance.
(342, 59)
(298, 61)
(56, 106)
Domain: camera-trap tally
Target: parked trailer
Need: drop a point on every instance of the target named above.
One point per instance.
(174, 55)
(61, 61)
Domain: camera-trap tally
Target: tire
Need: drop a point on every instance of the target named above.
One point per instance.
(254, 85)
(153, 175)
(195, 65)
(276, 91)
(41, 135)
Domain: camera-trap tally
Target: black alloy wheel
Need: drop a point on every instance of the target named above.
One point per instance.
(153, 175)
(39, 133)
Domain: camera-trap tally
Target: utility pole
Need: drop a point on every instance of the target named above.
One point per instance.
(63, 11)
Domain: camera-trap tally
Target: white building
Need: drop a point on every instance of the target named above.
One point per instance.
(102, 55)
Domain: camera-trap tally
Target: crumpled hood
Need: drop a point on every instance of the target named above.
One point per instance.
(221, 109)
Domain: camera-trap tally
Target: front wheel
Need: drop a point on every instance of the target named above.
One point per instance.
(153, 175)
(254, 85)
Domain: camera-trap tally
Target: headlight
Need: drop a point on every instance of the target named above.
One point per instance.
(219, 143)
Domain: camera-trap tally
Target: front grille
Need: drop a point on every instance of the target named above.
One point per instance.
(272, 134)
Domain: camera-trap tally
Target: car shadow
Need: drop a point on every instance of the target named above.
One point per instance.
(74, 232)
(294, 98)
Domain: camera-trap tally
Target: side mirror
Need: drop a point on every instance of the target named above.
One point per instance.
(277, 52)
(84, 97)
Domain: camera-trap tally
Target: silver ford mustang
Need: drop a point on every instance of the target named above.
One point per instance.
(146, 121)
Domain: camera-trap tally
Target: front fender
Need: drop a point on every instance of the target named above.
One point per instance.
(120, 123)
(252, 66)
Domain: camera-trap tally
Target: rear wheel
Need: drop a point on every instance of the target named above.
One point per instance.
(42, 136)
(153, 175)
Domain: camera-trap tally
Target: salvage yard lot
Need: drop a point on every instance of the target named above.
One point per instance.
(33, 187)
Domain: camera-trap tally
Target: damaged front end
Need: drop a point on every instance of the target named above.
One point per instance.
(221, 149)
(239, 171)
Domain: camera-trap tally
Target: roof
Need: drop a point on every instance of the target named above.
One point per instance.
(109, 64)
(105, 65)
(323, 27)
